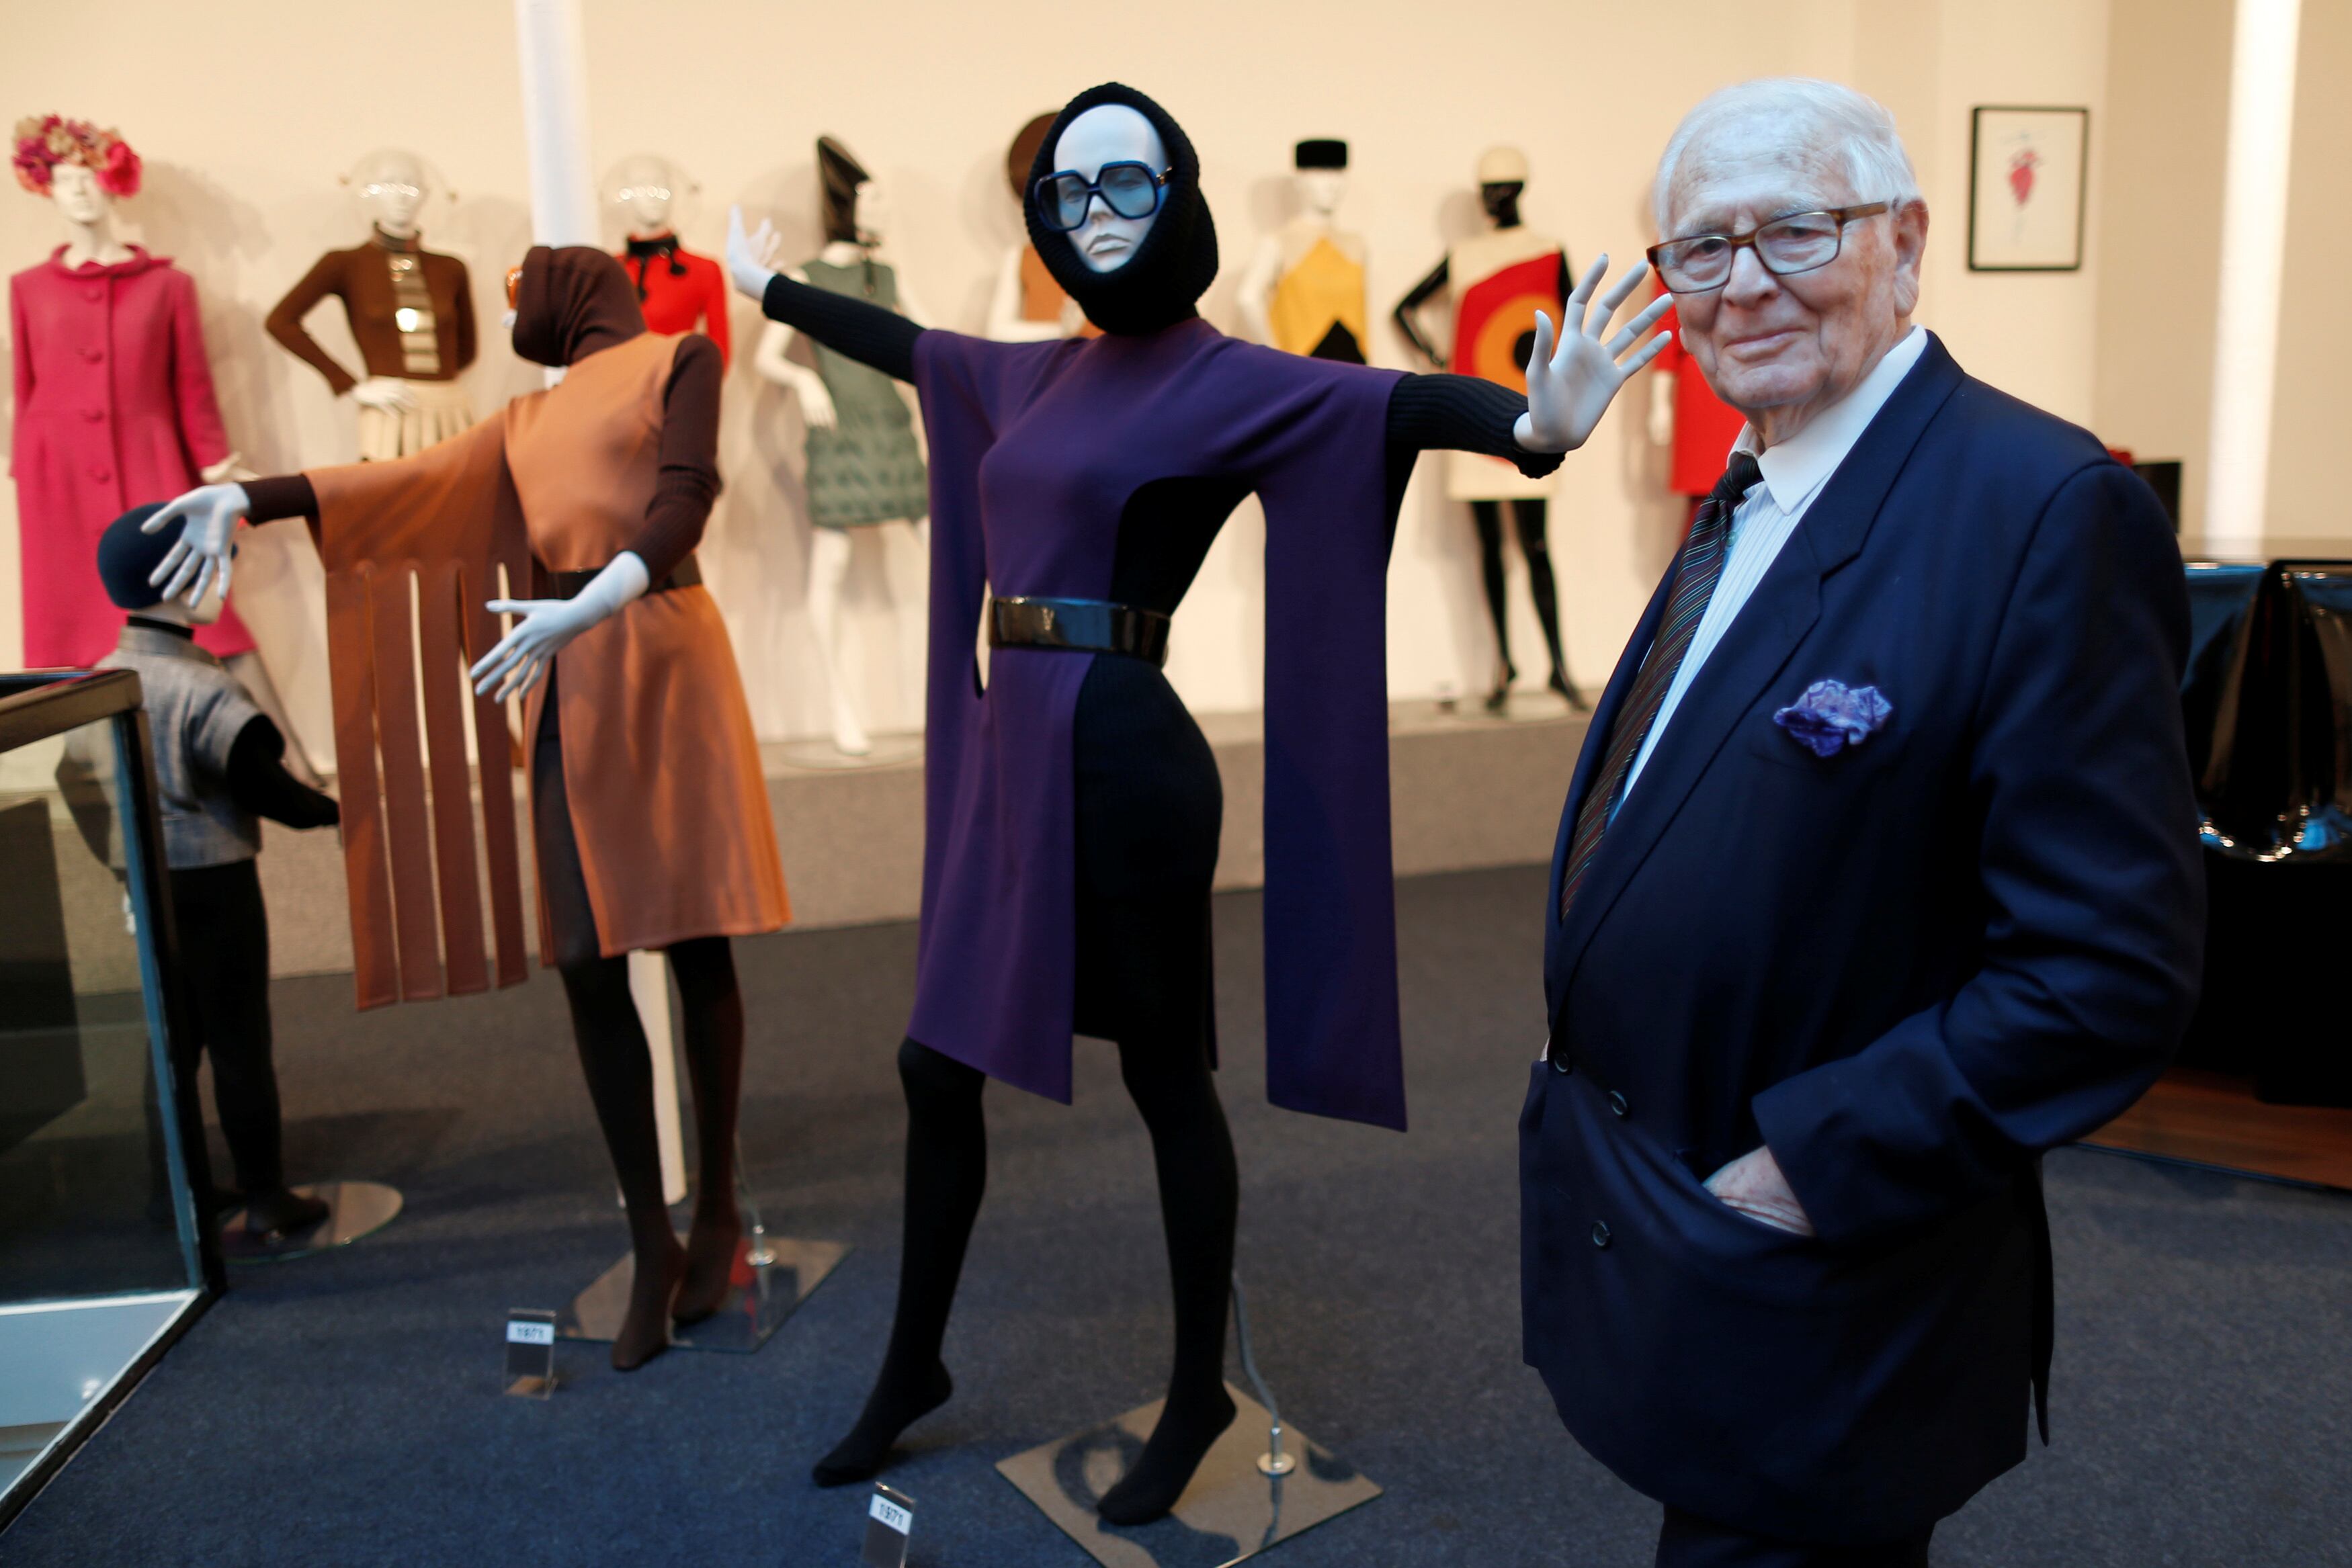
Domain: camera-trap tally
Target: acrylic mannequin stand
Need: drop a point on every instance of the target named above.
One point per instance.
(770, 1278)
(1260, 1484)
(354, 1208)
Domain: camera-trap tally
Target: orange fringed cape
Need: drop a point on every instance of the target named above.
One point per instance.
(668, 806)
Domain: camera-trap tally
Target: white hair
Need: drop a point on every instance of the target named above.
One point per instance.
(1844, 129)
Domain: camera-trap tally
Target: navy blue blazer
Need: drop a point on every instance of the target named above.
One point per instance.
(1908, 967)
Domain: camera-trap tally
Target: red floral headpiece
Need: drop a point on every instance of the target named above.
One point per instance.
(46, 141)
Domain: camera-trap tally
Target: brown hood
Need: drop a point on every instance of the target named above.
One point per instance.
(571, 303)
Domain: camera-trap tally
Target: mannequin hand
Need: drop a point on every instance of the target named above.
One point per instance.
(750, 257)
(384, 392)
(817, 403)
(1569, 386)
(229, 470)
(200, 558)
(547, 624)
(1661, 410)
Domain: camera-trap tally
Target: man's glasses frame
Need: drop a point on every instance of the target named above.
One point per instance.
(1667, 257)
(1042, 196)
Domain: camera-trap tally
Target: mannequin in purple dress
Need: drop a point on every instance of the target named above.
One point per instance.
(1072, 805)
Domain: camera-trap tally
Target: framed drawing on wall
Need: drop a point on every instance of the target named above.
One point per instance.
(2026, 189)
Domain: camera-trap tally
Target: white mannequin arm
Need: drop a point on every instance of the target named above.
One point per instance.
(521, 655)
(771, 360)
(1256, 288)
(1005, 323)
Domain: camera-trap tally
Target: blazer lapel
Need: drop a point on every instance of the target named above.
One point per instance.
(1767, 629)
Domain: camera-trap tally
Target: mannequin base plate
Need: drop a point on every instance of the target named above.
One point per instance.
(820, 756)
(1231, 1511)
(354, 1208)
(763, 1296)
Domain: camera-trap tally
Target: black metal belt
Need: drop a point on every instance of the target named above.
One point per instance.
(686, 574)
(1086, 625)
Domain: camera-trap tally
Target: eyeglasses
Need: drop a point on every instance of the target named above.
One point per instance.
(1130, 190)
(1798, 243)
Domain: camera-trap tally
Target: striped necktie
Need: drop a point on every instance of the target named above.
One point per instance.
(1695, 580)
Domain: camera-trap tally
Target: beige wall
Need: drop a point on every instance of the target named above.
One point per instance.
(2167, 125)
(2306, 485)
(245, 113)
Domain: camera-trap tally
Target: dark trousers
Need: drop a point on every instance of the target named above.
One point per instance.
(223, 939)
(1687, 1541)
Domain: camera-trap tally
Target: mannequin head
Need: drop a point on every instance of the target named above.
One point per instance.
(571, 301)
(76, 165)
(127, 557)
(1108, 134)
(644, 188)
(1129, 275)
(1322, 177)
(391, 186)
(1502, 176)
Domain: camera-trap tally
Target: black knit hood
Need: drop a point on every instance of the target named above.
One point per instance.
(1162, 282)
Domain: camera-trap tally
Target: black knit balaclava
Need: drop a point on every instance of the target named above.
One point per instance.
(1162, 282)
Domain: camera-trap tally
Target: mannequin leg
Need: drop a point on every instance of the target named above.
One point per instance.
(1530, 517)
(829, 559)
(713, 1008)
(614, 1056)
(224, 930)
(1488, 515)
(947, 1168)
(1199, 1192)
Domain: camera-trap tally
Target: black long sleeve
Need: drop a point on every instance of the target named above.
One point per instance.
(862, 330)
(689, 480)
(257, 780)
(1463, 413)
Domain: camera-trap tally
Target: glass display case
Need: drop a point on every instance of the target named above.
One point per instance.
(103, 1259)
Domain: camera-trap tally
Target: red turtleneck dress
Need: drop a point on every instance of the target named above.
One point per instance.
(679, 290)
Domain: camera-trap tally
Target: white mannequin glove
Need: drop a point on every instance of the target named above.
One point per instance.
(384, 392)
(1569, 389)
(751, 259)
(547, 624)
(207, 547)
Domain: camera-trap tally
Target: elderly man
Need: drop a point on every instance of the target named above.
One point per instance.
(1877, 878)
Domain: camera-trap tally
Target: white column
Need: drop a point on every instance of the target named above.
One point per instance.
(2253, 240)
(555, 120)
(564, 212)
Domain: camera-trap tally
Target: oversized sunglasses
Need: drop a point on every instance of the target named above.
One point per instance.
(1798, 243)
(1130, 190)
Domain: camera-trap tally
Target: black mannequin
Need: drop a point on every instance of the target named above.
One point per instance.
(1528, 513)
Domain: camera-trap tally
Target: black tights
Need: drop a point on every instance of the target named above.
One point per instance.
(1528, 517)
(946, 1169)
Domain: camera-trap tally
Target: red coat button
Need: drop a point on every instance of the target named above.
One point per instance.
(93, 414)
(101, 473)
(94, 292)
(93, 355)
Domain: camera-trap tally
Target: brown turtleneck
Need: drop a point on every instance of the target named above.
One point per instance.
(364, 278)
(572, 303)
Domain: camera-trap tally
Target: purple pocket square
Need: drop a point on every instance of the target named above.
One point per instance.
(1831, 715)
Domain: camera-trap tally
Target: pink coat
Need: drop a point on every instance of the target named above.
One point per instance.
(114, 408)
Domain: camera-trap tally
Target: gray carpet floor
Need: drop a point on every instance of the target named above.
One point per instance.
(346, 1409)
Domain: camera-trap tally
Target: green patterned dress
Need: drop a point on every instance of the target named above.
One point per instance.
(866, 468)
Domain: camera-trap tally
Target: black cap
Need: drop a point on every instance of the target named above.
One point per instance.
(127, 557)
(1322, 152)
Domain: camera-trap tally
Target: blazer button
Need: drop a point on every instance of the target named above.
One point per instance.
(1561, 1062)
(1599, 1233)
(1616, 1102)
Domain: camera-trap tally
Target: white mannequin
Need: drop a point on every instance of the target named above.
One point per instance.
(391, 186)
(1319, 194)
(833, 551)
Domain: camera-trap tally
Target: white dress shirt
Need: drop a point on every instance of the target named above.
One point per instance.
(1794, 473)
